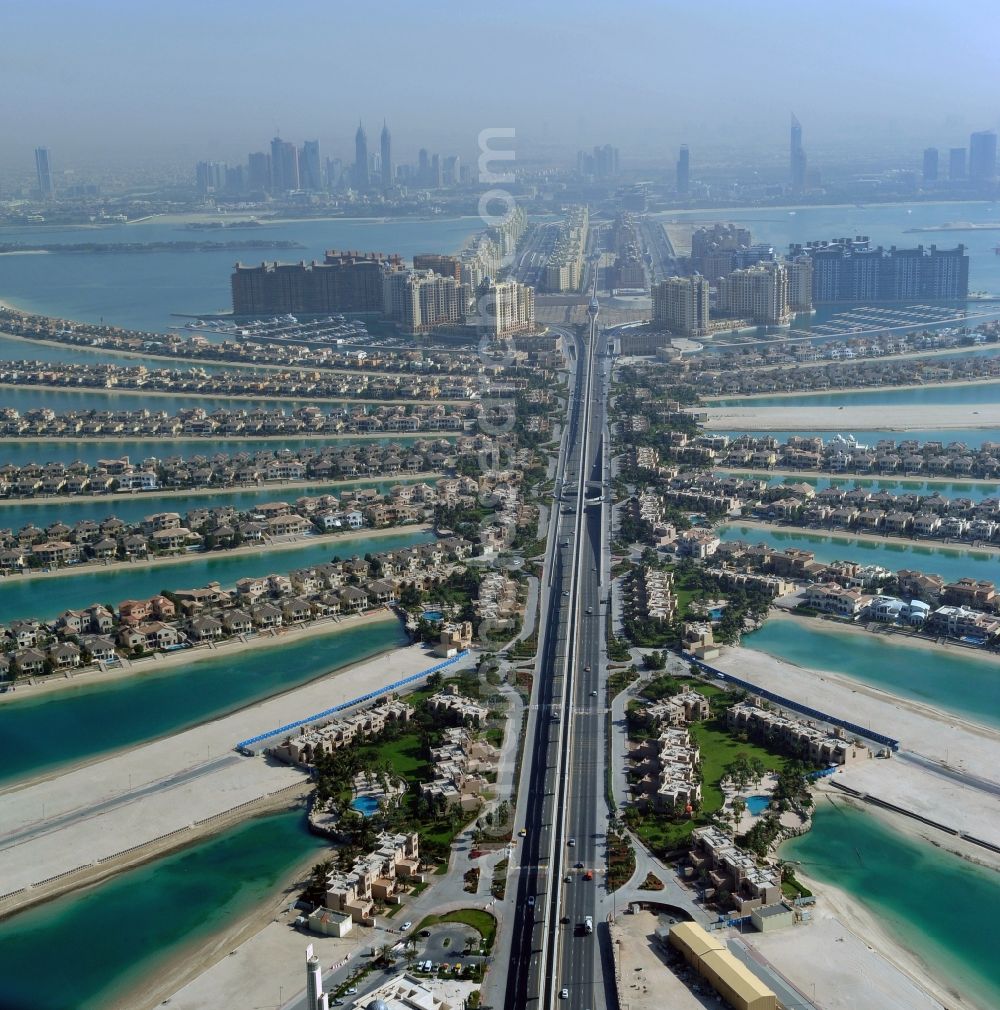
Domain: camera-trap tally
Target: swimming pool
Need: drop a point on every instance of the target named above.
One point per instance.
(432, 615)
(366, 805)
(758, 804)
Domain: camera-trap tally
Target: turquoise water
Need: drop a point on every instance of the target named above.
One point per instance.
(432, 615)
(86, 950)
(46, 731)
(979, 392)
(45, 598)
(758, 804)
(957, 489)
(941, 906)
(42, 512)
(366, 805)
(141, 291)
(22, 451)
(973, 437)
(957, 680)
(949, 562)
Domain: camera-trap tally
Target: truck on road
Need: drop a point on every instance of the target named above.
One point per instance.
(588, 925)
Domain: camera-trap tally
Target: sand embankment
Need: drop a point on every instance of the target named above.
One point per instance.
(887, 418)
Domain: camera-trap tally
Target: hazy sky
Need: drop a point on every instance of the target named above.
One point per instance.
(190, 79)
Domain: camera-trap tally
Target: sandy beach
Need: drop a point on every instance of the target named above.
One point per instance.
(886, 418)
(317, 487)
(853, 960)
(750, 398)
(274, 547)
(844, 536)
(75, 817)
(840, 476)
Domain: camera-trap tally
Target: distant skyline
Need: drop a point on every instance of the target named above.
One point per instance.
(186, 81)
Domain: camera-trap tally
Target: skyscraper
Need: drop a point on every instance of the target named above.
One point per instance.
(930, 164)
(284, 166)
(759, 293)
(259, 172)
(361, 176)
(681, 305)
(797, 157)
(983, 156)
(956, 164)
(43, 166)
(683, 171)
(310, 167)
(385, 147)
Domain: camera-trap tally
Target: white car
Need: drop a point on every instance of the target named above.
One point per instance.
(406, 925)
(564, 993)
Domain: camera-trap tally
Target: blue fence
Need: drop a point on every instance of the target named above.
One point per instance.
(250, 741)
(813, 713)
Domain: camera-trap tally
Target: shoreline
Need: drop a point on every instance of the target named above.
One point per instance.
(857, 478)
(863, 922)
(191, 360)
(183, 967)
(716, 401)
(262, 398)
(932, 645)
(158, 662)
(277, 485)
(883, 418)
(212, 439)
(243, 549)
(844, 536)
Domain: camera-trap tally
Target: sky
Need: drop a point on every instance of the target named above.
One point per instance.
(97, 80)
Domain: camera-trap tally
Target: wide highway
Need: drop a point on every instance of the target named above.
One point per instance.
(561, 803)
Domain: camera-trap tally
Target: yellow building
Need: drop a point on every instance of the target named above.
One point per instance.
(731, 979)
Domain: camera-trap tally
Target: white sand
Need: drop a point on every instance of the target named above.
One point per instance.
(847, 973)
(138, 795)
(880, 417)
(941, 737)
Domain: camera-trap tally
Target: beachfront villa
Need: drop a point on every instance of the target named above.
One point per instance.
(375, 877)
(817, 745)
(732, 869)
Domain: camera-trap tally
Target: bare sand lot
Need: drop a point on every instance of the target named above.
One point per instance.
(93, 812)
(879, 417)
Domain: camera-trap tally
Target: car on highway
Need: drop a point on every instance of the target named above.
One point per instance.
(571, 841)
(564, 993)
(353, 991)
(531, 901)
(523, 832)
(590, 610)
(568, 879)
(578, 866)
(586, 669)
(588, 875)
(565, 593)
(593, 694)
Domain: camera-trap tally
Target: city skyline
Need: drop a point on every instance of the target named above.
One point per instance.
(123, 76)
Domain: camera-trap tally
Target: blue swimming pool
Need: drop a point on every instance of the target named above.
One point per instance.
(366, 805)
(757, 804)
(432, 615)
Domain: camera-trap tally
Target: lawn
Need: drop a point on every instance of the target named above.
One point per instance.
(402, 754)
(719, 749)
(482, 922)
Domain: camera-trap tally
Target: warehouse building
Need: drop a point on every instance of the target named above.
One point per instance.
(732, 980)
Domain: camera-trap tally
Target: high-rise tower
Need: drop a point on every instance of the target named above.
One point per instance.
(385, 149)
(983, 156)
(361, 176)
(310, 166)
(43, 166)
(930, 164)
(284, 166)
(683, 171)
(797, 157)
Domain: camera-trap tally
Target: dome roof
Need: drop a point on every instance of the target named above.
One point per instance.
(378, 1004)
